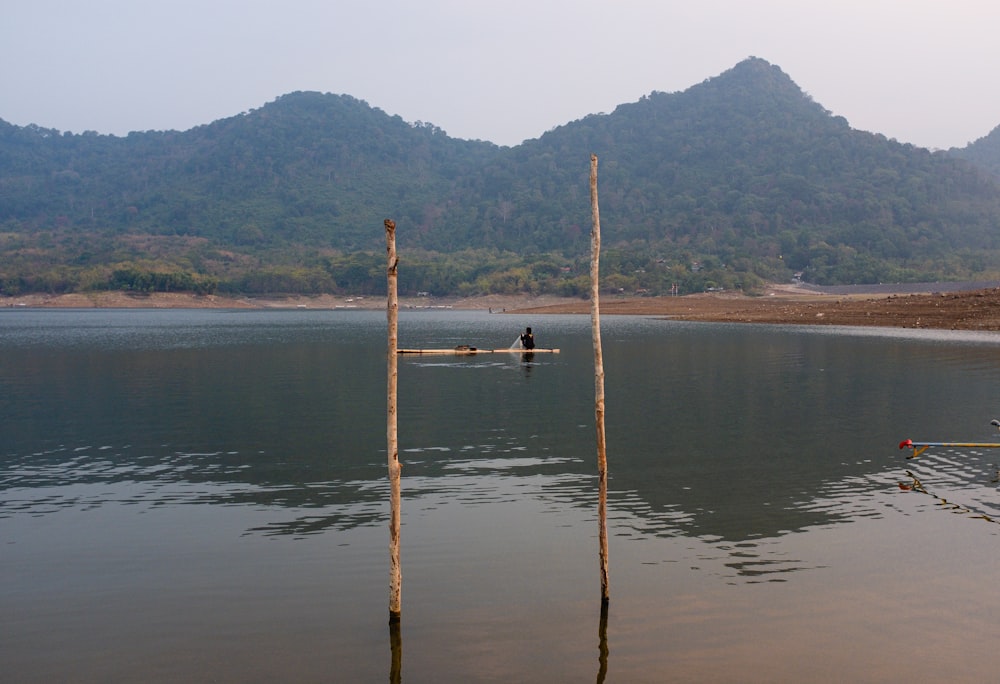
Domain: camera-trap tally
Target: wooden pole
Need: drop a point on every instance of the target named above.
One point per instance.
(595, 322)
(395, 496)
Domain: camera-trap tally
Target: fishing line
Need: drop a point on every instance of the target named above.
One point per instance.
(918, 486)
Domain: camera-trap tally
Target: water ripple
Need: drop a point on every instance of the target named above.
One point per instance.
(963, 480)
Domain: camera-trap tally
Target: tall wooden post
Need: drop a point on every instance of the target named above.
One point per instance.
(395, 496)
(595, 322)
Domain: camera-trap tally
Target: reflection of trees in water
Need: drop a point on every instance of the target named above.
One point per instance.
(471, 482)
(86, 477)
(643, 503)
(740, 516)
(737, 515)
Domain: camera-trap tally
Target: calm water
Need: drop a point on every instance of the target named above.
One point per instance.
(201, 496)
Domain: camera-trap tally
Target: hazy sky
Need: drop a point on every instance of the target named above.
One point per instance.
(921, 71)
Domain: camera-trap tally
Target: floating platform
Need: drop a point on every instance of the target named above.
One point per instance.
(469, 351)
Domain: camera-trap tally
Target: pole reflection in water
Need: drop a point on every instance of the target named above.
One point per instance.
(396, 648)
(602, 648)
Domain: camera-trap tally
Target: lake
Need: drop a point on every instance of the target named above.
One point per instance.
(202, 496)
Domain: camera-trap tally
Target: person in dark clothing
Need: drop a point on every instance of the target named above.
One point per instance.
(527, 339)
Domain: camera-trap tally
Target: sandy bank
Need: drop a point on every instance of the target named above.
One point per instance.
(977, 309)
(180, 300)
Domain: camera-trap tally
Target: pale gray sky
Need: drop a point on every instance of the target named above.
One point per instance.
(921, 71)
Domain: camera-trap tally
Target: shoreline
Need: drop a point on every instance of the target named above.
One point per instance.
(185, 300)
(973, 310)
(935, 305)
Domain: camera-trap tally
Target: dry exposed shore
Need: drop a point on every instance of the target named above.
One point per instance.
(182, 300)
(976, 309)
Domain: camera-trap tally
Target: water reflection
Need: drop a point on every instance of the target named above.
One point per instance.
(738, 539)
(395, 652)
(527, 363)
(730, 436)
(603, 649)
(964, 481)
(220, 485)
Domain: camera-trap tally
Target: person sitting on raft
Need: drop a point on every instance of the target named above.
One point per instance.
(527, 339)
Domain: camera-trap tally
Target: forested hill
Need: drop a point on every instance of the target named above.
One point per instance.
(984, 152)
(737, 179)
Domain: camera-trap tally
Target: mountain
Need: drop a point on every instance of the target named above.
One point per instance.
(735, 180)
(746, 166)
(984, 152)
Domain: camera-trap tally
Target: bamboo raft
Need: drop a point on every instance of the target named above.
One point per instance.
(465, 350)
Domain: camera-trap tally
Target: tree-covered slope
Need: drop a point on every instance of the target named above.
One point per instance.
(984, 152)
(746, 166)
(738, 178)
(307, 168)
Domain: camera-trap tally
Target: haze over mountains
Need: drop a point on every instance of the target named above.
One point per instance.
(734, 181)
